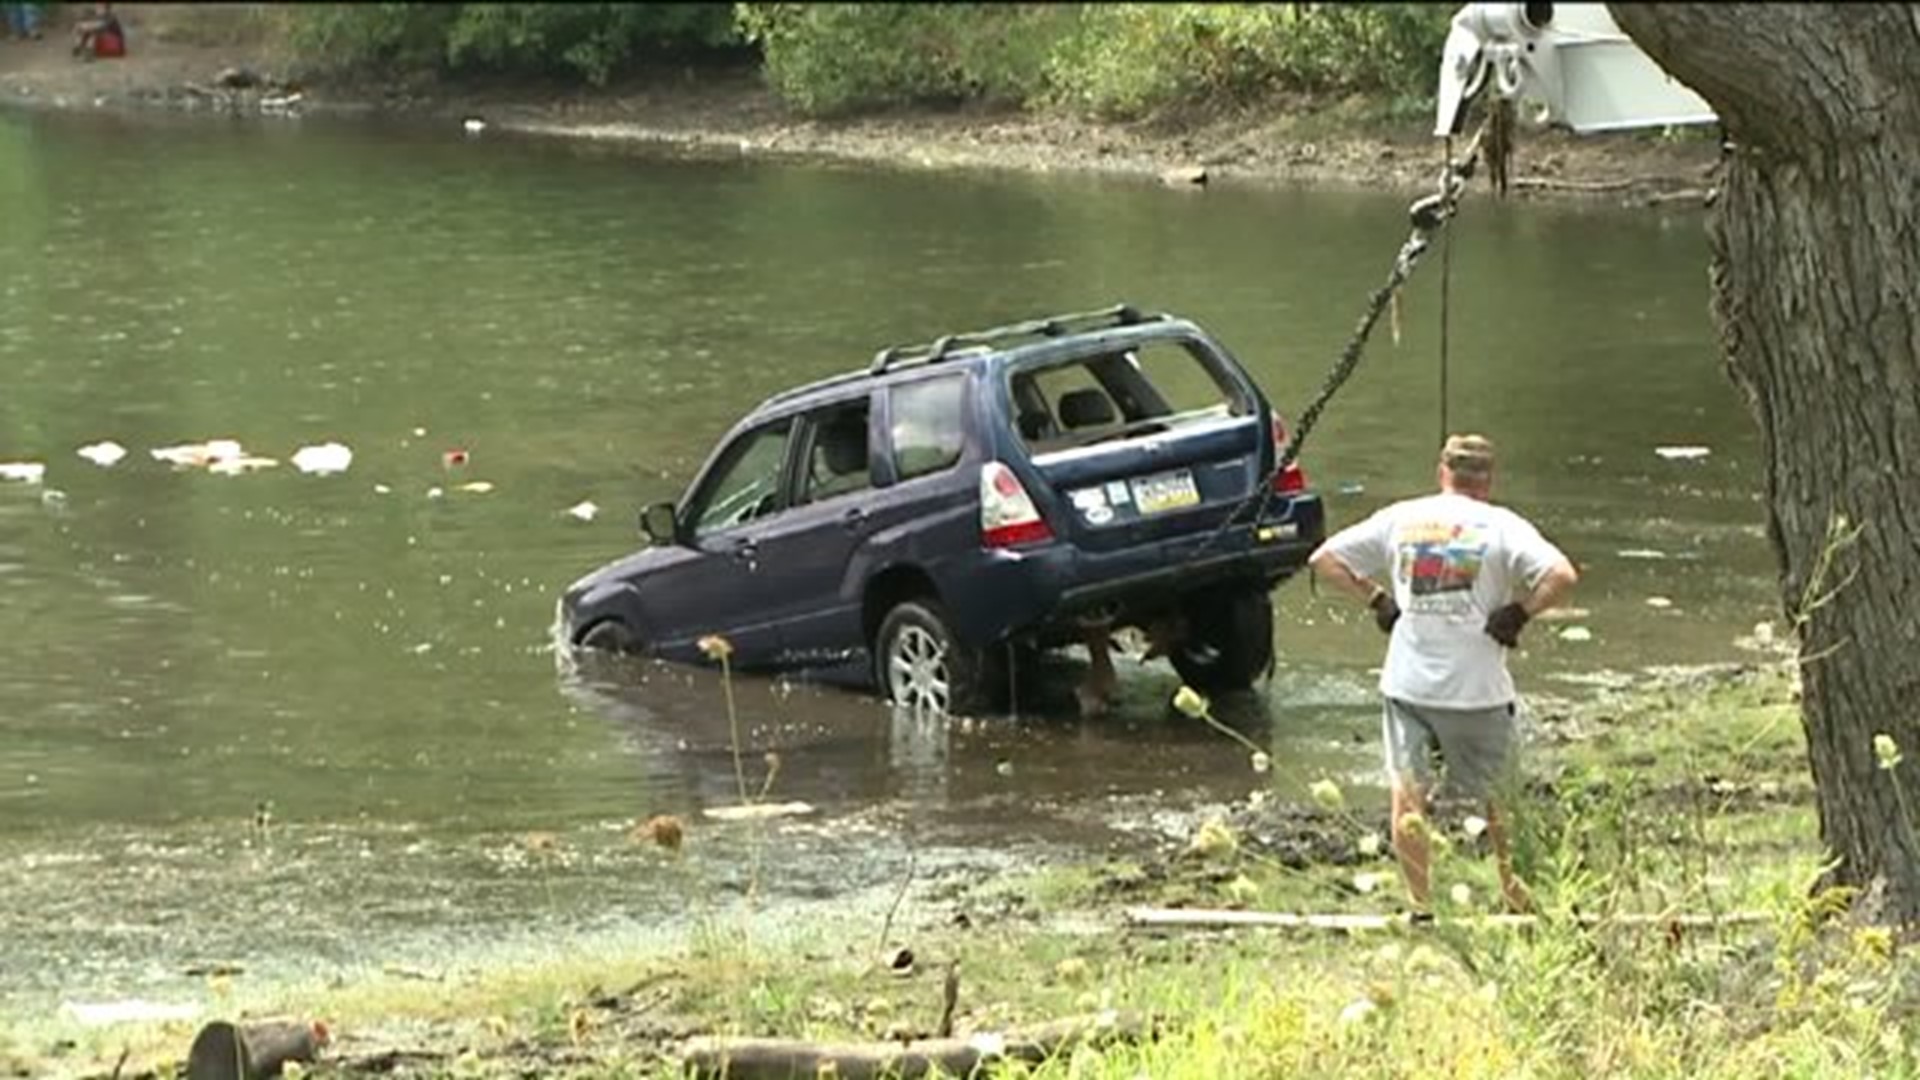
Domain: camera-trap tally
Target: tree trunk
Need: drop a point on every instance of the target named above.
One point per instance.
(1815, 273)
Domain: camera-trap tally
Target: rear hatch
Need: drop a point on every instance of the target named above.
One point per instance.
(1142, 441)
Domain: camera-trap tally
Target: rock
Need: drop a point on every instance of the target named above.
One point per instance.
(237, 78)
(1184, 176)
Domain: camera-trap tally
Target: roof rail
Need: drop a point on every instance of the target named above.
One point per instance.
(899, 356)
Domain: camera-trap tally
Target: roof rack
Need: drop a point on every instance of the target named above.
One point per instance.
(899, 356)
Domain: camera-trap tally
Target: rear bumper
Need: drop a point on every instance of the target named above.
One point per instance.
(995, 595)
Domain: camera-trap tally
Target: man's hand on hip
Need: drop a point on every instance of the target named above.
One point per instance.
(1385, 611)
(1505, 624)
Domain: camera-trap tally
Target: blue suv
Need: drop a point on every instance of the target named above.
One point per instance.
(920, 522)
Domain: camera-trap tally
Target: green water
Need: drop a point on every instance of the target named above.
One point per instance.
(179, 647)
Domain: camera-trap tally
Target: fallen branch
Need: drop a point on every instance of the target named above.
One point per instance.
(1344, 922)
(1658, 198)
(1548, 183)
(798, 1059)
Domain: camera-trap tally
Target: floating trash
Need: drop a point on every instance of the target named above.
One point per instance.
(473, 125)
(1641, 553)
(199, 455)
(758, 811)
(477, 487)
(236, 465)
(26, 472)
(105, 454)
(1576, 633)
(453, 459)
(382, 489)
(322, 460)
(129, 1011)
(1682, 453)
(585, 511)
(1659, 602)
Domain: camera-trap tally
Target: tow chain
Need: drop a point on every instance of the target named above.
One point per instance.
(1427, 217)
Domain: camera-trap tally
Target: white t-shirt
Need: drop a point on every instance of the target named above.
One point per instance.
(1453, 560)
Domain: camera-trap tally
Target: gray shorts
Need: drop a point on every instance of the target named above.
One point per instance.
(1475, 746)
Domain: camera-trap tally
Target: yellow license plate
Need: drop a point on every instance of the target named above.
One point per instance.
(1165, 491)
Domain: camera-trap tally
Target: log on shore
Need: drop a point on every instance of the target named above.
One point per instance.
(1347, 922)
(799, 1059)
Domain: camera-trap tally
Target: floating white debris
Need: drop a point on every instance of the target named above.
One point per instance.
(27, 472)
(477, 487)
(1659, 602)
(105, 454)
(1358, 1011)
(758, 812)
(382, 489)
(1641, 553)
(234, 466)
(129, 1011)
(474, 125)
(1576, 633)
(199, 455)
(321, 460)
(585, 511)
(1682, 453)
(435, 493)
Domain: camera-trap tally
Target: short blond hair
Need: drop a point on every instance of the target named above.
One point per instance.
(1469, 457)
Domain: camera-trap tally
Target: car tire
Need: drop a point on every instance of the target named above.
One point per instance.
(1229, 640)
(919, 663)
(610, 636)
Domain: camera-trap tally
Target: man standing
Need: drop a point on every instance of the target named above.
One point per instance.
(1452, 580)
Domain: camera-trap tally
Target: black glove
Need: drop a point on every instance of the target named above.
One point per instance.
(1505, 624)
(1385, 611)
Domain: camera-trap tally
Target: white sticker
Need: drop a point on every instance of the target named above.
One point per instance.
(1099, 515)
(1088, 498)
(1117, 493)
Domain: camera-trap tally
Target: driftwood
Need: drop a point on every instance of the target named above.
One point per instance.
(224, 1052)
(798, 1059)
(1212, 919)
(1548, 183)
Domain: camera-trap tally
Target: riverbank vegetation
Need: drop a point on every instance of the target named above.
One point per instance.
(1666, 833)
(1110, 60)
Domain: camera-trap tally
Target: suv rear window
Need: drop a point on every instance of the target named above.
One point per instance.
(928, 425)
(1152, 388)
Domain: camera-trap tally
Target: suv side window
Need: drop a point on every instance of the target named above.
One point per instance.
(929, 419)
(747, 483)
(837, 459)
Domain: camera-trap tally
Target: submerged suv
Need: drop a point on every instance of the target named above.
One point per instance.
(917, 523)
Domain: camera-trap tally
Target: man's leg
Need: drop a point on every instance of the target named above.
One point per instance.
(1519, 898)
(1409, 746)
(1096, 691)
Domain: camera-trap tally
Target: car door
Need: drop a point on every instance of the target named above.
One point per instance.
(722, 587)
(807, 551)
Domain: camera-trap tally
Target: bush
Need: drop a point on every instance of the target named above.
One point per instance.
(592, 41)
(834, 58)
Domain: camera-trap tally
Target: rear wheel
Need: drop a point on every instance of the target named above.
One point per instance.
(1229, 639)
(920, 665)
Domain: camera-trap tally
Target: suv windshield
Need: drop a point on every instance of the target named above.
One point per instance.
(1151, 388)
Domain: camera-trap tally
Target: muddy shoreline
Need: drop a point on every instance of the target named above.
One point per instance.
(1299, 142)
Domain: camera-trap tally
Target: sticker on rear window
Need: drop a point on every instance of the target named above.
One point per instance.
(1117, 493)
(1089, 498)
(1099, 515)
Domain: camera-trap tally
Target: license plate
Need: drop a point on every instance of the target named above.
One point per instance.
(1165, 491)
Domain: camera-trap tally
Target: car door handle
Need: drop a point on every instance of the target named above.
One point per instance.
(746, 551)
(854, 518)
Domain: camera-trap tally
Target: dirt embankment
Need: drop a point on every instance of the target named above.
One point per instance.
(177, 50)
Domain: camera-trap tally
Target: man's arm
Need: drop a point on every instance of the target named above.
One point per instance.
(1332, 568)
(1552, 588)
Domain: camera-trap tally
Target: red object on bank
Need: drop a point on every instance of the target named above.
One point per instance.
(109, 43)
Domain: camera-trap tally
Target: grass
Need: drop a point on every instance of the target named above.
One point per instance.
(1686, 799)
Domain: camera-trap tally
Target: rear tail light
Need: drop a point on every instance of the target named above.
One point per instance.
(1292, 478)
(1007, 515)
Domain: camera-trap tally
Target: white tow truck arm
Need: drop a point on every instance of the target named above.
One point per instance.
(1571, 60)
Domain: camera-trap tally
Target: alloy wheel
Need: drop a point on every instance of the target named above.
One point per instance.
(917, 672)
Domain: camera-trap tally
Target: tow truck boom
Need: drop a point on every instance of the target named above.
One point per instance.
(1571, 60)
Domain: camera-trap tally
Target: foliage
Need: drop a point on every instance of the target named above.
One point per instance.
(1112, 59)
(592, 41)
(832, 58)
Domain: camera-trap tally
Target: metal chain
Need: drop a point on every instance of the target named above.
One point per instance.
(1427, 216)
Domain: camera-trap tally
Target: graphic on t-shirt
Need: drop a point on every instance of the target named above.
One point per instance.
(1438, 558)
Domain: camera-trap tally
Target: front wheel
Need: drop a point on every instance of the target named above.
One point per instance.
(610, 636)
(1229, 640)
(920, 665)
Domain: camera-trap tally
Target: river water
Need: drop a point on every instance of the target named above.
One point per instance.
(374, 664)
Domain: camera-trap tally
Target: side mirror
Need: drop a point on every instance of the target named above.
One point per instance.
(660, 523)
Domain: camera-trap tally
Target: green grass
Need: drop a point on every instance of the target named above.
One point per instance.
(1689, 799)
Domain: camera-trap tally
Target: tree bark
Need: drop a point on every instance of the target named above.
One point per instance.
(1815, 271)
